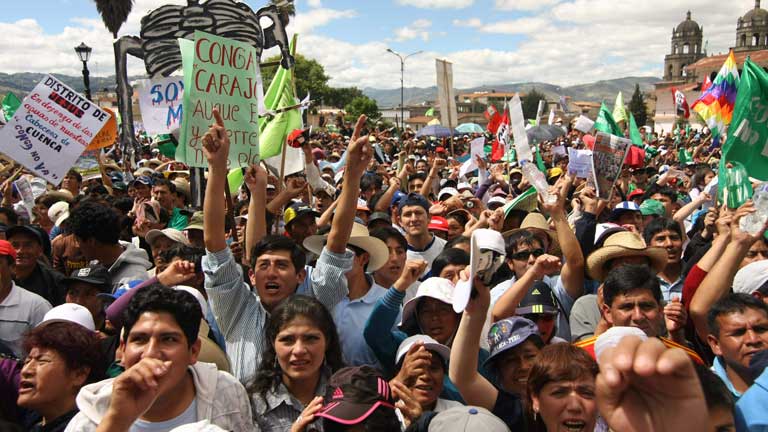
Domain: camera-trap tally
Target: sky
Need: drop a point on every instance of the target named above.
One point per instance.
(563, 42)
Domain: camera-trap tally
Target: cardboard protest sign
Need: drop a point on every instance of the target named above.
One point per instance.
(51, 129)
(608, 157)
(107, 135)
(224, 75)
(160, 101)
(580, 162)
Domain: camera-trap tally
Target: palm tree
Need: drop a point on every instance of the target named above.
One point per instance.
(114, 13)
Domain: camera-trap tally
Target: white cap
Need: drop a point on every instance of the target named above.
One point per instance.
(449, 190)
(58, 212)
(464, 185)
(751, 278)
(498, 200)
(429, 343)
(71, 312)
(613, 336)
(482, 239)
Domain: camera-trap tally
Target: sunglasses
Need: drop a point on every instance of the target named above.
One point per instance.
(524, 255)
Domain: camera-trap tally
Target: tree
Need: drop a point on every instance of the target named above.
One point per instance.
(637, 107)
(530, 103)
(309, 76)
(362, 105)
(340, 97)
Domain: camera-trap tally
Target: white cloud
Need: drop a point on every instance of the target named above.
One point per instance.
(517, 26)
(471, 22)
(524, 5)
(305, 22)
(314, 3)
(437, 4)
(417, 29)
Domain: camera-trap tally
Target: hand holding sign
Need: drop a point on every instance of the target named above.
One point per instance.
(216, 143)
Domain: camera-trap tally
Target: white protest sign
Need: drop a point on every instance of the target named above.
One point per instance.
(25, 190)
(517, 123)
(580, 162)
(558, 150)
(584, 124)
(160, 104)
(476, 148)
(51, 128)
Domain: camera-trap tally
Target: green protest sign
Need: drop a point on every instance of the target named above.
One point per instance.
(747, 141)
(225, 75)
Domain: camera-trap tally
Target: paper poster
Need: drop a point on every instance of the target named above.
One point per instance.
(224, 75)
(51, 128)
(107, 135)
(559, 150)
(608, 157)
(580, 162)
(160, 101)
(25, 190)
(584, 124)
(517, 124)
(476, 148)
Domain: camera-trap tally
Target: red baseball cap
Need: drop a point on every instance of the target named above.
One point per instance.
(634, 193)
(440, 150)
(438, 223)
(7, 249)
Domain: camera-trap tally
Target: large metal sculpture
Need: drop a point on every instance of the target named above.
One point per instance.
(159, 48)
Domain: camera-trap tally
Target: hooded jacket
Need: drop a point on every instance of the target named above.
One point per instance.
(131, 265)
(221, 399)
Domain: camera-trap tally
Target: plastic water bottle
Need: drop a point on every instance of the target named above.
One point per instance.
(536, 178)
(754, 222)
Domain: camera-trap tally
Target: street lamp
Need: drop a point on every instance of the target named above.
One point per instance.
(84, 52)
(402, 72)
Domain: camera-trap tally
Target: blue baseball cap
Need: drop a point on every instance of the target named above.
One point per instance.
(623, 207)
(509, 333)
(396, 198)
(413, 199)
(145, 180)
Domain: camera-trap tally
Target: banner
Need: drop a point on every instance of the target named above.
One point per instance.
(580, 162)
(51, 128)
(160, 102)
(225, 75)
(449, 116)
(608, 157)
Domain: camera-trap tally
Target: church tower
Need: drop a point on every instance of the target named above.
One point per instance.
(686, 48)
(752, 30)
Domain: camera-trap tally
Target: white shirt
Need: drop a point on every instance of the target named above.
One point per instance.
(20, 311)
(429, 253)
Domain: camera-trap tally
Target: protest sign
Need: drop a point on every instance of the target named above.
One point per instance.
(224, 75)
(477, 148)
(25, 190)
(608, 157)
(107, 135)
(584, 124)
(445, 94)
(160, 102)
(517, 123)
(580, 162)
(51, 128)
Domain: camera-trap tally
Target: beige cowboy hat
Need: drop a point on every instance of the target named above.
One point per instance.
(623, 244)
(360, 237)
(537, 223)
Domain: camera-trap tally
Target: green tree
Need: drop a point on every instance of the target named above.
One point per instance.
(530, 103)
(340, 97)
(309, 77)
(362, 105)
(637, 107)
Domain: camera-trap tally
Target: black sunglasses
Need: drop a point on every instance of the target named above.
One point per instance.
(524, 255)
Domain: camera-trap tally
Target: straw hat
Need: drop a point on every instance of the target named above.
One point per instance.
(360, 237)
(537, 223)
(623, 244)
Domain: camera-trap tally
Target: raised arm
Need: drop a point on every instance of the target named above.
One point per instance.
(506, 304)
(216, 150)
(572, 274)
(474, 388)
(256, 228)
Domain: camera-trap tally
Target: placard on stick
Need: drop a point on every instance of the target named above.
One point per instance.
(608, 157)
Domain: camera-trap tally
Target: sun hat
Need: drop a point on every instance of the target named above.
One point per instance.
(70, 312)
(537, 223)
(509, 333)
(429, 343)
(170, 233)
(466, 419)
(623, 244)
(360, 237)
(354, 393)
(58, 212)
(751, 277)
(435, 287)
(538, 300)
(652, 207)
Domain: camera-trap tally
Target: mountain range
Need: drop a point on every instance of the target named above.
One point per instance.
(21, 83)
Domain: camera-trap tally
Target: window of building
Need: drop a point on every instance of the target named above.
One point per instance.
(755, 39)
(743, 41)
(686, 48)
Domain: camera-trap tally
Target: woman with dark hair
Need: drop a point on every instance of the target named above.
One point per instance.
(699, 181)
(449, 264)
(561, 390)
(61, 358)
(302, 354)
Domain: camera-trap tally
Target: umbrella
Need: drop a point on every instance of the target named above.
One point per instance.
(435, 131)
(470, 128)
(541, 133)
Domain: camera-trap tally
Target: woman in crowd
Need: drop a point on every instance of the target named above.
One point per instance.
(561, 390)
(423, 364)
(302, 353)
(450, 263)
(62, 357)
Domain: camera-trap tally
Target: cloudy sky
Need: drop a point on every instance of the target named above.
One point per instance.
(489, 41)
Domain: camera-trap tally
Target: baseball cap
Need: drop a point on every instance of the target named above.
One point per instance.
(464, 185)
(538, 300)
(298, 209)
(652, 207)
(413, 199)
(429, 343)
(447, 191)
(195, 222)
(7, 249)
(635, 193)
(94, 274)
(751, 277)
(496, 202)
(24, 229)
(623, 207)
(375, 216)
(143, 179)
(466, 419)
(170, 233)
(438, 223)
(354, 393)
(509, 333)
(70, 312)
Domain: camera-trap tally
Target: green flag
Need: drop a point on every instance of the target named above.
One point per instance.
(606, 123)
(748, 134)
(275, 130)
(430, 112)
(234, 180)
(634, 132)
(540, 161)
(683, 156)
(619, 112)
(10, 104)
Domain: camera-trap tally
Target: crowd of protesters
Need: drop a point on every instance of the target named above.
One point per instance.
(325, 300)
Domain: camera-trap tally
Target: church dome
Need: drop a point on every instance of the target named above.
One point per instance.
(689, 25)
(756, 14)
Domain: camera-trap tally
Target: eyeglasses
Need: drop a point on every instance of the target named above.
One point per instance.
(524, 255)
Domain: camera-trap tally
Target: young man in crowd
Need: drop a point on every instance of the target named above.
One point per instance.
(164, 192)
(414, 218)
(30, 270)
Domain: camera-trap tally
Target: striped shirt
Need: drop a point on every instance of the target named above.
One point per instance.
(239, 313)
(279, 410)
